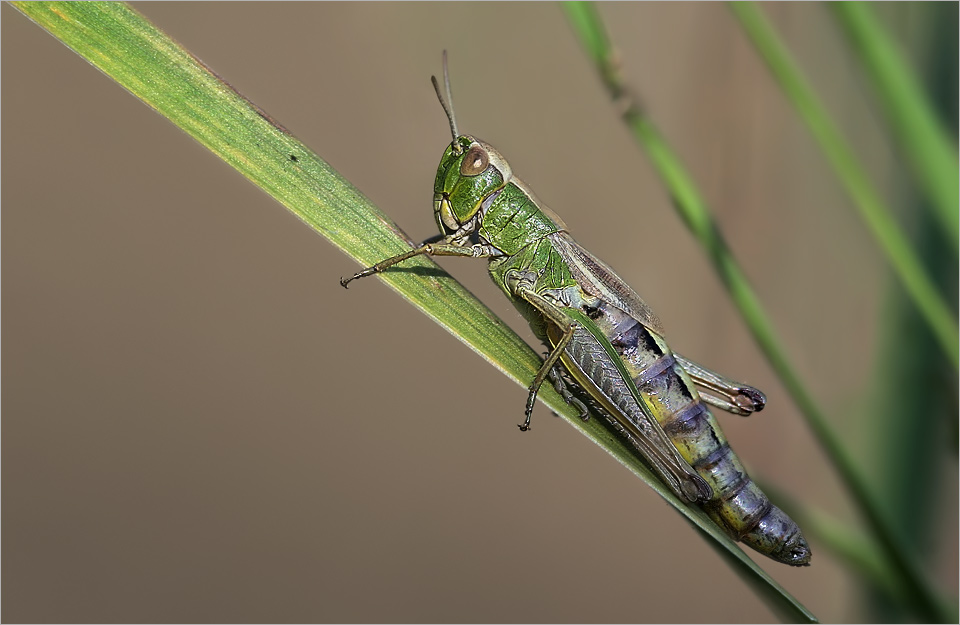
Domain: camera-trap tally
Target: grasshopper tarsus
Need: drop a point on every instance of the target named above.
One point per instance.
(751, 399)
(345, 282)
(369, 271)
(525, 426)
(531, 399)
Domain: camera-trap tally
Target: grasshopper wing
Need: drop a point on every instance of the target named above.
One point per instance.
(596, 278)
(598, 367)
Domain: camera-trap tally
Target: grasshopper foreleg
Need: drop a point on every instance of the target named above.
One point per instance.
(430, 249)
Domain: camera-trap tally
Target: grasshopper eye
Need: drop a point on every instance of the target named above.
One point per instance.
(475, 161)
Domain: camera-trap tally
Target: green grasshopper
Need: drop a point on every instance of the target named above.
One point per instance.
(603, 337)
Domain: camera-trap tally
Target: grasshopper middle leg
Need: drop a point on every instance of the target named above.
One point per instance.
(560, 385)
(523, 288)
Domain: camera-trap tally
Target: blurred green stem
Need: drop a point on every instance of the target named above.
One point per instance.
(912, 458)
(874, 212)
(926, 147)
(694, 212)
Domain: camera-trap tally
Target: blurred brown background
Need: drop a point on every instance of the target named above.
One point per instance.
(201, 425)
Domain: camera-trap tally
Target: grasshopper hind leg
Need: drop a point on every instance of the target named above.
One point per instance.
(722, 392)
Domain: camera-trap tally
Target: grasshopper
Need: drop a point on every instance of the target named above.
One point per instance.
(603, 337)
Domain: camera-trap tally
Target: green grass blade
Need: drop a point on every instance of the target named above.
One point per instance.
(927, 148)
(694, 212)
(874, 212)
(129, 49)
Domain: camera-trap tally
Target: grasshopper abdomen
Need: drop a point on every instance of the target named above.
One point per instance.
(665, 391)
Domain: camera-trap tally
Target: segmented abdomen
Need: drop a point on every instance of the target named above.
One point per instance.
(737, 505)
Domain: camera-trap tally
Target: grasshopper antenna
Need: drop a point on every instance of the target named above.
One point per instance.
(447, 103)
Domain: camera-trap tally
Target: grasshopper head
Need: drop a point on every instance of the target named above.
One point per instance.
(471, 172)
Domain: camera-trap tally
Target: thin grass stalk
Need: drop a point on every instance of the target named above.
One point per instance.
(696, 215)
(911, 454)
(922, 141)
(872, 209)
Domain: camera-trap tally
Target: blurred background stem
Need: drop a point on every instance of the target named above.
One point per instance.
(899, 559)
(915, 123)
(875, 213)
(909, 356)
